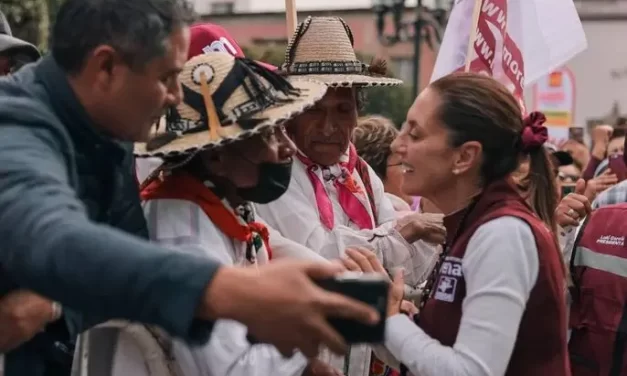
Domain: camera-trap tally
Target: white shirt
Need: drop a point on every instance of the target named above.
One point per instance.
(184, 227)
(500, 268)
(296, 216)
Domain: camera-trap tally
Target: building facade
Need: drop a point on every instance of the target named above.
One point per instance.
(599, 73)
(269, 28)
(250, 6)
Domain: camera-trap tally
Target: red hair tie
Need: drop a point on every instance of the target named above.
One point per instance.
(534, 133)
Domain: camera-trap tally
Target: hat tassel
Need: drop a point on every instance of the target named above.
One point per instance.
(213, 121)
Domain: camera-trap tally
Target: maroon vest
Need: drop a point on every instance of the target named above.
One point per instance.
(541, 345)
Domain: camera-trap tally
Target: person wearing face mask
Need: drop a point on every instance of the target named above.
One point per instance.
(204, 38)
(222, 148)
(335, 200)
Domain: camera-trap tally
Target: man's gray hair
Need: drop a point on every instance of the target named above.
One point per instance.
(137, 29)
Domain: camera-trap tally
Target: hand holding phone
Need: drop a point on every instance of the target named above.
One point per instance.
(369, 288)
(618, 167)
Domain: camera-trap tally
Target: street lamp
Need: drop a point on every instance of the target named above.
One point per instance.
(431, 22)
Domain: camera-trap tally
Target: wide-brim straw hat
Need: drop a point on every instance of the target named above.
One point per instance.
(227, 99)
(322, 49)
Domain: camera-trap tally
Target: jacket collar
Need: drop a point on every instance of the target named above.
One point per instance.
(73, 115)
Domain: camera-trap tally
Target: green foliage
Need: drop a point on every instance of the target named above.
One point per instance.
(272, 54)
(29, 20)
(391, 102)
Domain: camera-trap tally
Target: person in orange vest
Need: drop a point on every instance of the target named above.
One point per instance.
(223, 147)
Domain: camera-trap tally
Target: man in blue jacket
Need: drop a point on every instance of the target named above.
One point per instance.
(70, 221)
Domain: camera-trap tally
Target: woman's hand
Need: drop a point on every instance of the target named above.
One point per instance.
(573, 207)
(361, 259)
(602, 182)
(395, 296)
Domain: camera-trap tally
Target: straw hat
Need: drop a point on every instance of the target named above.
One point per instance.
(322, 49)
(227, 99)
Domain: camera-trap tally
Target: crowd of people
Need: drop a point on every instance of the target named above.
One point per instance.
(169, 207)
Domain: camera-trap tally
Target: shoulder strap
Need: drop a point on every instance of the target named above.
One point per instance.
(362, 169)
(156, 348)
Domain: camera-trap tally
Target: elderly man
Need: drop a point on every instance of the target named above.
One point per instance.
(335, 200)
(69, 207)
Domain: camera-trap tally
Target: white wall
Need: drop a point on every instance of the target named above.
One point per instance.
(596, 88)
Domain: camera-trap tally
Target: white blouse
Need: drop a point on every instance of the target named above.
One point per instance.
(501, 268)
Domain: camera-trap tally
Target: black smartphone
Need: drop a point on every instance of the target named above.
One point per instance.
(567, 189)
(370, 288)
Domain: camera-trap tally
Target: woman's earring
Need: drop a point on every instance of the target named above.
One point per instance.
(455, 172)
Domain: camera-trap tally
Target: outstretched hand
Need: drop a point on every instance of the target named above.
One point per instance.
(281, 304)
(23, 314)
(574, 207)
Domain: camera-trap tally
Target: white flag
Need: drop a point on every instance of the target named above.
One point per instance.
(517, 41)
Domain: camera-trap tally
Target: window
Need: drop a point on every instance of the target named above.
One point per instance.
(225, 7)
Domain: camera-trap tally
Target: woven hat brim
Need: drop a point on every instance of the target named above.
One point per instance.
(350, 80)
(311, 92)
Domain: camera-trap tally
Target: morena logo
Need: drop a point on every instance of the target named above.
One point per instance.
(221, 45)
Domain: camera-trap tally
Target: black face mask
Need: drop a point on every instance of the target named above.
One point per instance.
(274, 179)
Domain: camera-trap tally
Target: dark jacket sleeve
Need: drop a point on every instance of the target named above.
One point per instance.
(50, 246)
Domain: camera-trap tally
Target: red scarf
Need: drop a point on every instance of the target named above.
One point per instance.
(183, 186)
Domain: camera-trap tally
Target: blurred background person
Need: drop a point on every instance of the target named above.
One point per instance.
(564, 168)
(372, 138)
(606, 142)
